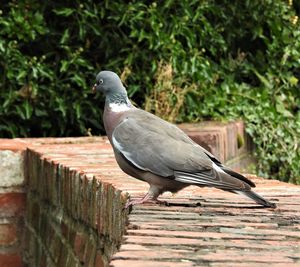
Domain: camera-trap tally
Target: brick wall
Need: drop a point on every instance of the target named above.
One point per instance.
(227, 141)
(75, 195)
(12, 202)
(71, 218)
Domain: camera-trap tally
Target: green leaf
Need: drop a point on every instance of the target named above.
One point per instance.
(293, 80)
(21, 74)
(66, 12)
(265, 81)
(282, 110)
(28, 110)
(64, 65)
(78, 110)
(20, 112)
(78, 80)
(65, 37)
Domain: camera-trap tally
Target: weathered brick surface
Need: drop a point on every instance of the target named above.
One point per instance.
(75, 216)
(225, 230)
(8, 234)
(12, 201)
(10, 260)
(227, 141)
(11, 168)
(69, 208)
(12, 204)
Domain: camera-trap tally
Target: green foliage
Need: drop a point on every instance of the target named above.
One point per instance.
(47, 73)
(242, 58)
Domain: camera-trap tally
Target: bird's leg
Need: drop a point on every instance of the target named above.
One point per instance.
(146, 198)
(150, 197)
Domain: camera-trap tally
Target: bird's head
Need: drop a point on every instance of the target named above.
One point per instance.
(108, 83)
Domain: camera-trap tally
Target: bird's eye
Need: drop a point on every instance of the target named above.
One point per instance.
(100, 81)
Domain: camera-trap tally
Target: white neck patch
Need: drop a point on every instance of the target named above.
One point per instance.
(118, 107)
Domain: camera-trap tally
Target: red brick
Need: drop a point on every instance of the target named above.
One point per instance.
(150, 263)
(80, 242)
(10, 260)
(63, 256)
(151, 253)
(211, 141)
(218, 138)
(35, 216)
(8, 234)
(90, 251)
(247, 256)
(12, 204)
(231, 142)
(65, 229)
(13, 144)
(43, 260)
(251, 264)
(99, 262)
(210, 135)
(191, 234)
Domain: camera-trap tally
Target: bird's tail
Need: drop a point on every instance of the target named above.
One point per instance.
(257, 198)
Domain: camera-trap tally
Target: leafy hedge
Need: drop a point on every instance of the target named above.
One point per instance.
(225, 60)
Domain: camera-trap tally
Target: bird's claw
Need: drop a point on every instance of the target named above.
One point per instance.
(131, 203)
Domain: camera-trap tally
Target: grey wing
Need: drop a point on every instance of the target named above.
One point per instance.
(150, 149)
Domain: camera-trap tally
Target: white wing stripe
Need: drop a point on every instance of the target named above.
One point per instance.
(190, 180)
(201, 178)
(217, 168)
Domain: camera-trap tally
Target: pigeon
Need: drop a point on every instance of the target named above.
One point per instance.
(153, 150)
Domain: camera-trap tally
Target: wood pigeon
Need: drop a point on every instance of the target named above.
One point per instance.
(159, 153)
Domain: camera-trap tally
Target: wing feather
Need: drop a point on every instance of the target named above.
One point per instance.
(154, 145)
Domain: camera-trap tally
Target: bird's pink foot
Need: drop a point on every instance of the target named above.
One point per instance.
(146, 199)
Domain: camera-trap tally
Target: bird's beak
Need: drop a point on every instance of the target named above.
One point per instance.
(94, 88)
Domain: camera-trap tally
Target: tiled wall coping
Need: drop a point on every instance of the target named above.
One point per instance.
(71, 195)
